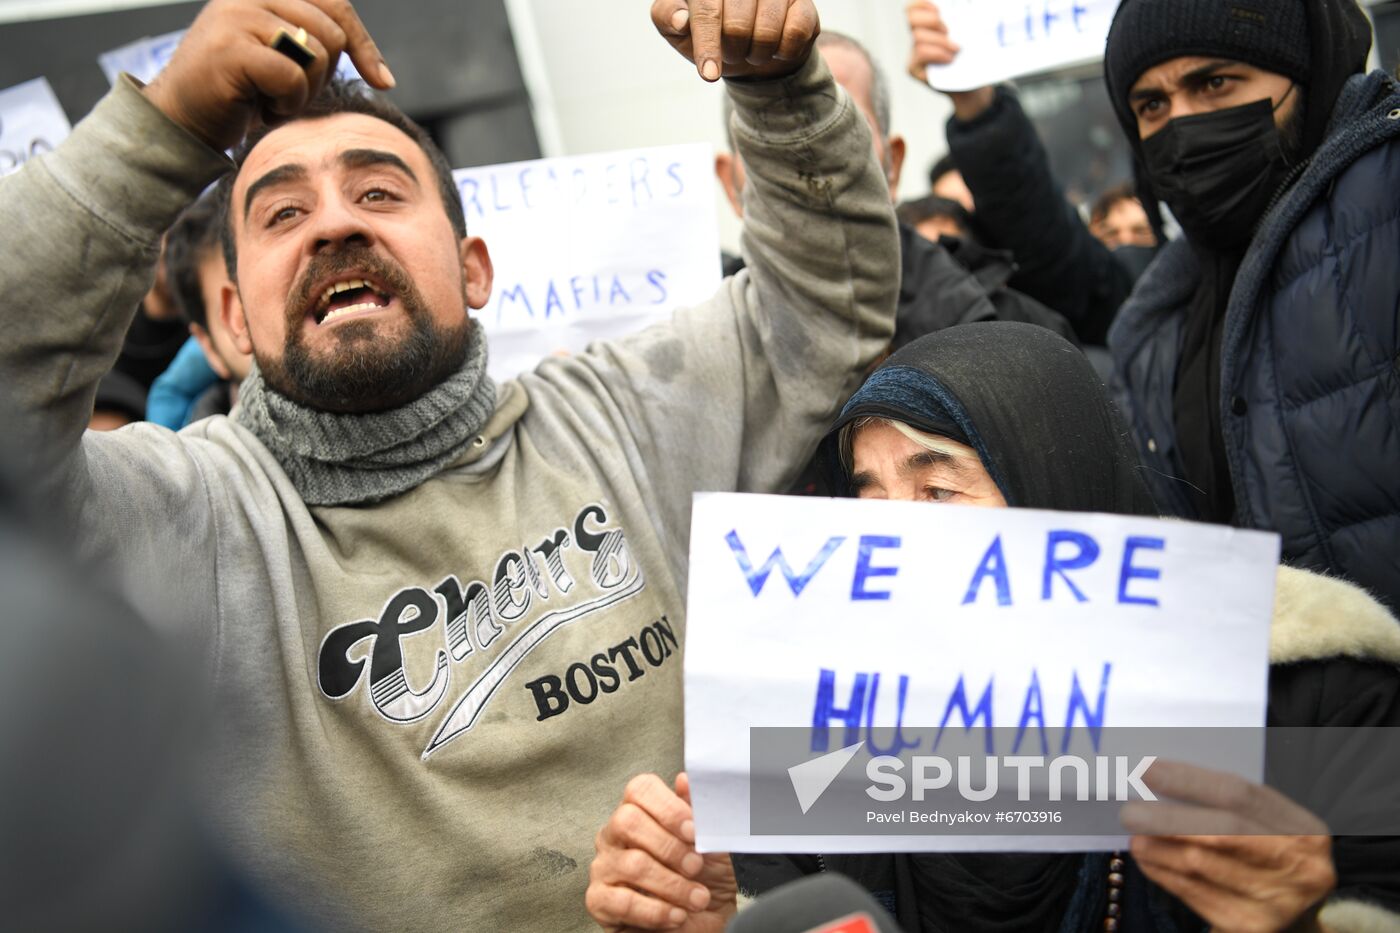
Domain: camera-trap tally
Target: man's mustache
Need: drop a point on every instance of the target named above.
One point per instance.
(350, 259)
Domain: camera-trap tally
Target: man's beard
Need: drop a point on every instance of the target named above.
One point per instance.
(365, 372)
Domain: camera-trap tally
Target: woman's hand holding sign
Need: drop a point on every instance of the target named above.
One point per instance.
(1272, 869)
(739, 38)
(647, 874)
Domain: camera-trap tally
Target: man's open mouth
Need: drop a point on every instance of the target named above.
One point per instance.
(349, 296)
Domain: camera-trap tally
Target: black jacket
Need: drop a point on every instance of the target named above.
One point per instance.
(958, 282)
(1310, 360)
(941, 285)
(1020, 208)
(953, 282)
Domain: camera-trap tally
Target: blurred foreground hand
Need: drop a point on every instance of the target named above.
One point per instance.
(1266, 865)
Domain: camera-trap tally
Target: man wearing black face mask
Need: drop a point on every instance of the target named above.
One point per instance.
(1259, 357)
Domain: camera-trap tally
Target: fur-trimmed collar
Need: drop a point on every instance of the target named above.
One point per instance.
(1318, 617)
(1346, 916)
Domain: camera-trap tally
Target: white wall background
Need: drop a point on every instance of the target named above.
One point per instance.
(601, 78)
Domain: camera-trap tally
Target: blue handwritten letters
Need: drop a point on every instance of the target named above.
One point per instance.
(1131, 571)
(865, 568)
(875, 628)
(1004, 39)
(1043, 21)
(558, 298)
(590, 247)
(796, 582)
(860, 718)
(1066, 552)
(622, 183)
(625, 182)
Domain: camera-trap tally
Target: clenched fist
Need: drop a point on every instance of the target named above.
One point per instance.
(739, 38)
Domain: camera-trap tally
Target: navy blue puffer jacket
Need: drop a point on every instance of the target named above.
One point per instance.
(1310, 362)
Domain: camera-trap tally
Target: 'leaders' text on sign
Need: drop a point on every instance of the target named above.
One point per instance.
(591, 247)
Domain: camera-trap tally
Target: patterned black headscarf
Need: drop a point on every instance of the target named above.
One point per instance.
(1026, 400)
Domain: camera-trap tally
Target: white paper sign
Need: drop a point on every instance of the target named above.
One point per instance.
(32, 122)
(1005, 39)
(591, 247)
(1158, 623)
(144, 58)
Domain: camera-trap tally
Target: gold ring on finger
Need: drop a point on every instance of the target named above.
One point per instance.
(295, 46)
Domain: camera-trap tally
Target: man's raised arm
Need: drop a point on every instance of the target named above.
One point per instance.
(735, 393)
(1020, 206)
(83, 224)
(82, 230)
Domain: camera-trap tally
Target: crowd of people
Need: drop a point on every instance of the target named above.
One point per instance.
(246, 380)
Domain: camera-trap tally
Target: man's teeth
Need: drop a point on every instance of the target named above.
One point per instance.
(338, 287)
(350, 309)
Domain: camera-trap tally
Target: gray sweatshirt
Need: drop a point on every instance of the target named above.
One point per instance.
(429, 706)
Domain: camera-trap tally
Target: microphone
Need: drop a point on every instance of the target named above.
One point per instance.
(824, 903)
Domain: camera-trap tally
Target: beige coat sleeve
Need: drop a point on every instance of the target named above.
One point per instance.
(735, 393)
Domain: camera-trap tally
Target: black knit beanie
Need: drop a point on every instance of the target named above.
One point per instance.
(1268, 34)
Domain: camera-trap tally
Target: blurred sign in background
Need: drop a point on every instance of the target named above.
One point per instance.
(498, 81)
(455, 61)
(31, 123)
(591, 247)
(1006, 39)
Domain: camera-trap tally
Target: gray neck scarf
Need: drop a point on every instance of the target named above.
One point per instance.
(335, 459)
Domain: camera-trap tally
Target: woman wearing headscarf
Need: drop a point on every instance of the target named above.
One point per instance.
(1012, 415)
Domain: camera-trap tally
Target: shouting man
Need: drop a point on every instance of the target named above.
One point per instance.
(445, 616)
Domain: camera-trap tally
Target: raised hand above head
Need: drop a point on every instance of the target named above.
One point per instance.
(739, 38)
(242, 60)
(932, 45)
